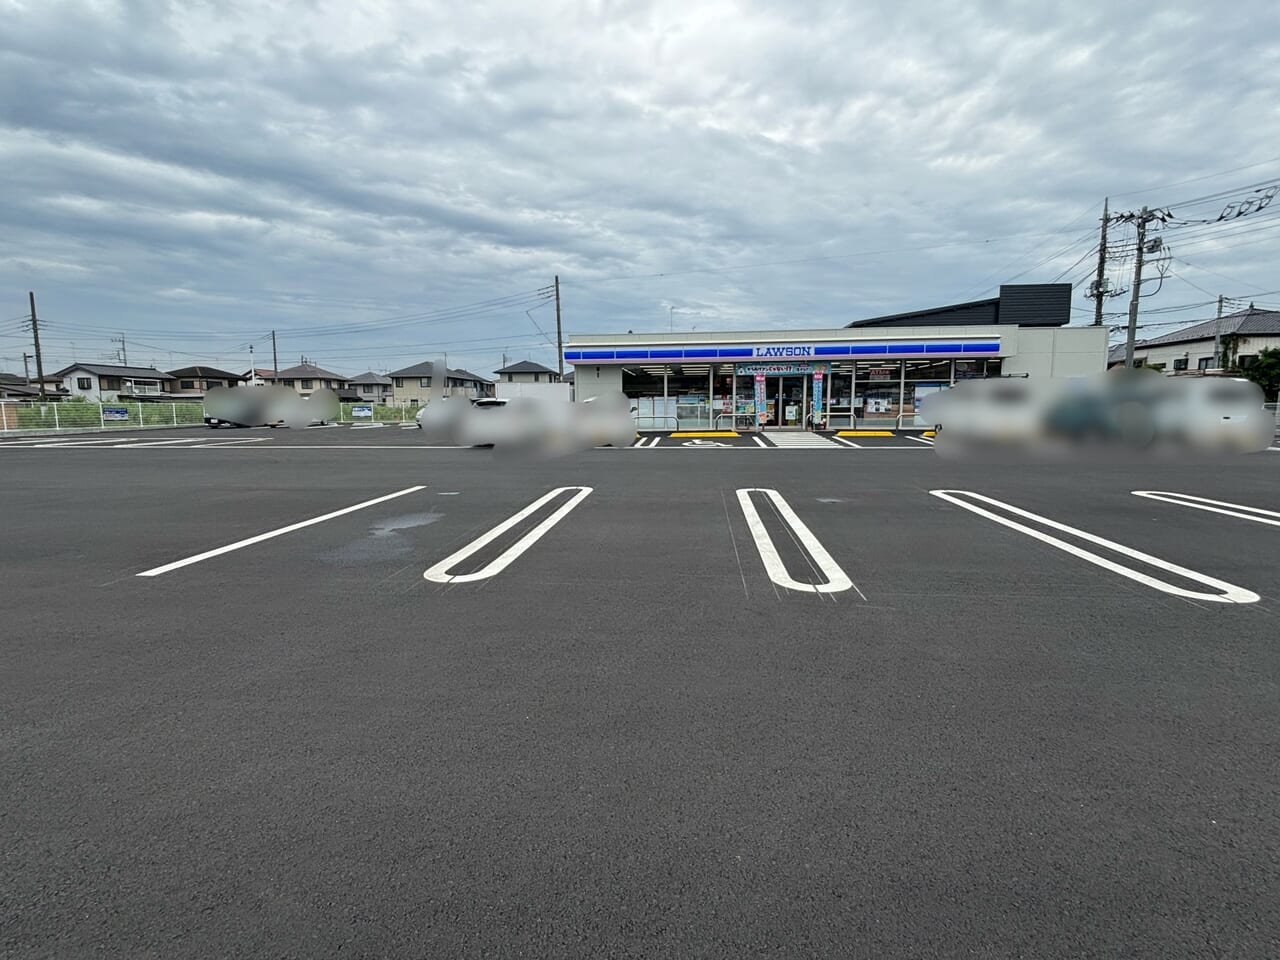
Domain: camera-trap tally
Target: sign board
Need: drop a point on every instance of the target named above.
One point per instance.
(782, 367)
(366, 412)
(759, 398)
(883, 373)
(817, 395)
(784, 350)
(115, 413)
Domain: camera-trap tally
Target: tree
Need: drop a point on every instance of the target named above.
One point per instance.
(1265, 372)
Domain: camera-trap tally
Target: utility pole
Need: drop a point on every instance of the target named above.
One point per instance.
(1137, 287)
(26, 369)
(35, 336)
(124, 351)
(559, 334)
(1098, 293)
(1141, 219)
(275, 359)
(1217, 334)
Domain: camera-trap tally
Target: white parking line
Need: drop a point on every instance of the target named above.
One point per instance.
(160, 443)
(1213, 506)
(921, 440)
(156, 571)
(1229, 592)
(760, 442)
(837, 580)
(229, 443)
(78, 443)
(847, 443)
(440, 572)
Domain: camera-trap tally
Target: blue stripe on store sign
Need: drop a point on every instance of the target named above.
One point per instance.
(831, 351)
(631, 354)
(734, 352)
(863, 349)
(907, 348)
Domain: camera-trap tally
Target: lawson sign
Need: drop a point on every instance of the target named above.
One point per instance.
(789, 351)
(785, 352)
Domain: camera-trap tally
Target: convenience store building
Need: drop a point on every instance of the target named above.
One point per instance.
(870, 372)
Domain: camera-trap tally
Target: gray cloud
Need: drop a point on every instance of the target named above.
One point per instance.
(188, 171)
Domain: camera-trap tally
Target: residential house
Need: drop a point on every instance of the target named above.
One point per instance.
(14, 386)
(1209, 345)
(100, 381)
(191, 383)
(412, 385)
(372, 387)
(303, 378)
(526, 371)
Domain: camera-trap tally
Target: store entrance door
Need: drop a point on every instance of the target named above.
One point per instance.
(789, 411)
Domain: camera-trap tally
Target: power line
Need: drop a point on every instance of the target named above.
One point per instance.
(783, 263)
(1220, 276)
(1087, 254)
(1208, 176)
(982, 287)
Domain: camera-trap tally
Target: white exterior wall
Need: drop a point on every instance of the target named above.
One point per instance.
(69, 381)
(1195, 349)
(540, 391)
(1056, 351)
(591, 380)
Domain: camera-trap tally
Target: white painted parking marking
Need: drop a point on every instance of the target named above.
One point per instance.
(837, 580)
(1256, 514)
(800, 440)
(228, 443)
(77, 443)
(160, 443)
(760, 442)
(921, 440)
(1230, 593)
(847, 443)
(440, 572)
(240, 544)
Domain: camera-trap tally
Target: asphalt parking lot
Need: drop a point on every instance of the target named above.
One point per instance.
(736, 701)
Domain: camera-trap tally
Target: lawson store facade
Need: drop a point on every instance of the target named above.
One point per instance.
(868, 374)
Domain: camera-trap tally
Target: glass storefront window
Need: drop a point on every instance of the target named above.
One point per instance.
(638, 383)
(881, 371)
(978, 369)
(929, 370)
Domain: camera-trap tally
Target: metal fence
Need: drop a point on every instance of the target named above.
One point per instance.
(376, 413)
(81, 415)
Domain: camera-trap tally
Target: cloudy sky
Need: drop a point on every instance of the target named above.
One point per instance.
(381, 182)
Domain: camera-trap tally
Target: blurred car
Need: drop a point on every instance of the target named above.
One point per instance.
(1121, 411)
(267, 407)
